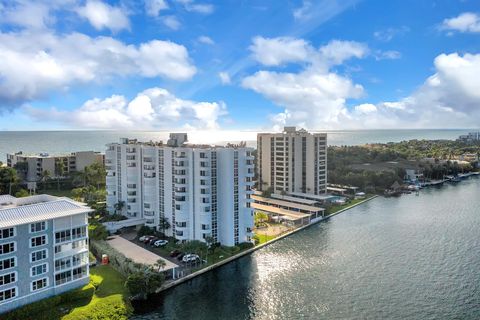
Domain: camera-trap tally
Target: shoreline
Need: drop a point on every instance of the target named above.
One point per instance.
(251, 250)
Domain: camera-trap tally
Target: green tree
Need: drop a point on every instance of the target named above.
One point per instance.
(22, 193)
(59, 171)
(45, 176)
(8, 178)
(160, 264)
(164, 224)
(119, 206)
(144, 282)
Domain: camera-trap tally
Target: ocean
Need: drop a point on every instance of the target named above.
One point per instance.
(56, 142)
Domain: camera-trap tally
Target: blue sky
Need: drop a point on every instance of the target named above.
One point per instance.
(256, 65)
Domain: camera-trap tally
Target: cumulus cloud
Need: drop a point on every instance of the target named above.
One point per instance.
(34, 15)
(316, 96)
(192, 6)
(465, 22)
(151, 108)
(277, 51)
(104, 16)
(390, 33)
(449, 98)
(172, 22)
(205, 40)
(153, 7)
(33, 64)
(224, 77)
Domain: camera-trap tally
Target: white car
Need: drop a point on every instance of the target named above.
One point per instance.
(142, 238)
(160, 243)
(191, 258)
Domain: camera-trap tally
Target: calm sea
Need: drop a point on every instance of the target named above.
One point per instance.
(413, 257)
(68, 141)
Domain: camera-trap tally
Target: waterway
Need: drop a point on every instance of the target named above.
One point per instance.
(413, 257)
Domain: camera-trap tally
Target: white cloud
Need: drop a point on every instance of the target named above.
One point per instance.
(224, 77)
(387, 55)
(104, 16)
(450, 98)
(366, 108)
(390, 33)
(35, 64)
(153, 7)
(193, 6)
(151, 108)
(303, 12)
(172, 22)
(316, 96)
(277, 51)
(35, 15)
(205, 40)
(465, 22)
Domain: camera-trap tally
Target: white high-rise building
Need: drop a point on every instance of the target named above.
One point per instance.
(292, 161)
(202, 191)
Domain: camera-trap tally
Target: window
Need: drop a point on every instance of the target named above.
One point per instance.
(38, 241)
(8, 278)
(8, 263)
(63, 277)
(39, 255)
(62, 236)
(62, 264)
(79, 232)
(7, 233)
(38, 270)
(79, 244)
(79, 272)
(38, 226)
(8, 294)
(39, 284)
(7, 248)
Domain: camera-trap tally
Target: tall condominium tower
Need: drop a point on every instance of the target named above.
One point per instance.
(201, 191)
(292, 161)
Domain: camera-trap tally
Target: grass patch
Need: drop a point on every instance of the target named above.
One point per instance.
(337, 208)
(105, 297)
(56, 192)
(262, 238)
(110, 300)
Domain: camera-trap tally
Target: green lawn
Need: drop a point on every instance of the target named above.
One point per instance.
(108, 300)
(337, 208)
(56, 192)
(265, 238)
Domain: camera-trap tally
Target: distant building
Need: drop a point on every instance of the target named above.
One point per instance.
(34, 165)
(470, 137)
(201, 191)
(292, 161)
(43, 248)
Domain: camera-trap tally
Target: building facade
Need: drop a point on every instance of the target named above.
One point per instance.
(201, 191)
(292, 161)
(33, 166)
(43, 248)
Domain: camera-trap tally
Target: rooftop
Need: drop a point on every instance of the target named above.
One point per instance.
(288, 214)
(312, 196)
(178, 144)
(17, 211)
(287, 204)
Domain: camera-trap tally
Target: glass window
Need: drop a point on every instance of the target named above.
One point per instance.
(39, 284)
(38, 226)
(38, 270)
(38, 241)
(8, 263)
(7, 248)
(8, 294)
(39, 255)
(7, 233)
(8, 278)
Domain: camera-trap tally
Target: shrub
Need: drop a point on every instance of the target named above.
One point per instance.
(40, 309)
(245, 245)
(97, 231)
(121, 263)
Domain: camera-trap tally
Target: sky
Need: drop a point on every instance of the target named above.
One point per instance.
(239, 65)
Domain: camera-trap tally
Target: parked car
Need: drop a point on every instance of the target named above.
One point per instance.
(147, 239)
(175, 253)
(160, 243)
(152, 241)
(191, 258)
(143, 238)
(180, 256)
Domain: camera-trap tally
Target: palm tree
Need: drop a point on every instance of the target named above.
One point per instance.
(164, 224)
(160, 264)
(45, 177)
(119, 206)
(59, 171)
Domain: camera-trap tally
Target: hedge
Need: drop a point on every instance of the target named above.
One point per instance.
(41, 309)
(121, 263)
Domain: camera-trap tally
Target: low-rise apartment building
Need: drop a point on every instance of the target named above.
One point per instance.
(43, 248)
(33, 166)
(202, 191)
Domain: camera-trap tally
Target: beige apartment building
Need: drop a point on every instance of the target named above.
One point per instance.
(37, 164)
(292, 161)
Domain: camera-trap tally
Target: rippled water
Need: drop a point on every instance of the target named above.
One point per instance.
(414, 257)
